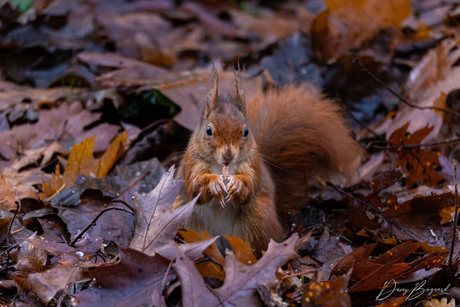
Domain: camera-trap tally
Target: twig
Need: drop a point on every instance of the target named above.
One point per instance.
(206, 258)
(93, 222)
(388, 220)
(454, 227)
(12, 220)
(119, 201)
(404, 100)
(134, 183)
(414, 145)
(363, 125)
(57, 192)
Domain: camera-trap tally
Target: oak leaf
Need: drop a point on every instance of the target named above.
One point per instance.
(156, 224)
(419, 162)
(240, 285)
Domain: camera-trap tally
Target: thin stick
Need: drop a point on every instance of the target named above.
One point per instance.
(363, 125)
(404, 100)
(454, 228)
(414, 145)
(93, 222)
(372, 208)
(57, 192)
(134, 183)
(206, 258)
(119, 201)
(12, 220)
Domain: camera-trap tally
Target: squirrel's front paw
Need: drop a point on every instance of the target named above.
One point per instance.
(217, 188)
(235, 188)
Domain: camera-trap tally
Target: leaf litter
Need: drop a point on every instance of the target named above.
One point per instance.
(98, 99)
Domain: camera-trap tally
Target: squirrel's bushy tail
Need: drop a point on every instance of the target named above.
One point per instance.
(300, 135)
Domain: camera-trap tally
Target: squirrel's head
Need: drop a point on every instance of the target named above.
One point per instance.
(224, 128)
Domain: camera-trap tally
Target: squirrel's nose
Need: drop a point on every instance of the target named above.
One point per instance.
(227, 157)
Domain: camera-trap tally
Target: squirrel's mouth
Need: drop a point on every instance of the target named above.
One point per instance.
(225, 162)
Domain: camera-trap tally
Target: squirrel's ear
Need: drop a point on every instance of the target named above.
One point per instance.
(211, 98)
(239, 96)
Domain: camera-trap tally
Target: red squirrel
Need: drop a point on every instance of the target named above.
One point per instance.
(251, 160)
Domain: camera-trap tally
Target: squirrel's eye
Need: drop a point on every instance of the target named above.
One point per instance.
(209, 131)
(246, 132)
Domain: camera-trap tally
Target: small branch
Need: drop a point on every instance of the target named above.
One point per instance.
(134, 183)
(404, 100)
(363, 125)
(387, 219)
(93, 222)
(206, 258)
(454, 227)
(119, 201)
(12, 220)
(414, 145)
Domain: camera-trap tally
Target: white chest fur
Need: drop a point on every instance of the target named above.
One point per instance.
(219, 220)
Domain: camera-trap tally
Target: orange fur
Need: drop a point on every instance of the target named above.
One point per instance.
(301, 133)
(304, 135)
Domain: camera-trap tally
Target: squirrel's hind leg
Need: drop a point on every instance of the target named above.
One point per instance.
(258, 223)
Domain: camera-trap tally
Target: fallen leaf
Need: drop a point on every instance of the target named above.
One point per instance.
(82, 162)
(207, 268)
(240, 285)
(419, 162)
(47, 284)
(243, 252)
(129, 282)
(327, 293)
(337, 29)
(156, 224)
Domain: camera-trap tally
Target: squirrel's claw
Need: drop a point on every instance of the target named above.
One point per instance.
(234, 186)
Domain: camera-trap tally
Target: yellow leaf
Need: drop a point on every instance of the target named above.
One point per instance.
(447, 214)
(242, 250)
(81, 161)
(112, 154)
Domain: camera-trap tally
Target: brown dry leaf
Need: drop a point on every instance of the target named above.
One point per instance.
(16, 186)
(419, 162)
(207, 268)
(29, 258)
(82, 162)
(130, 282)
(243, 252)
(46, 284)
(372, 274)
(240, 285)
(346, 25)
(64, 125)
(328, 293)
(156, 224)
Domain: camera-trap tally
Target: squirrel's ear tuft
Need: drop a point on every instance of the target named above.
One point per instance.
(239, 96)
(211, 98)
